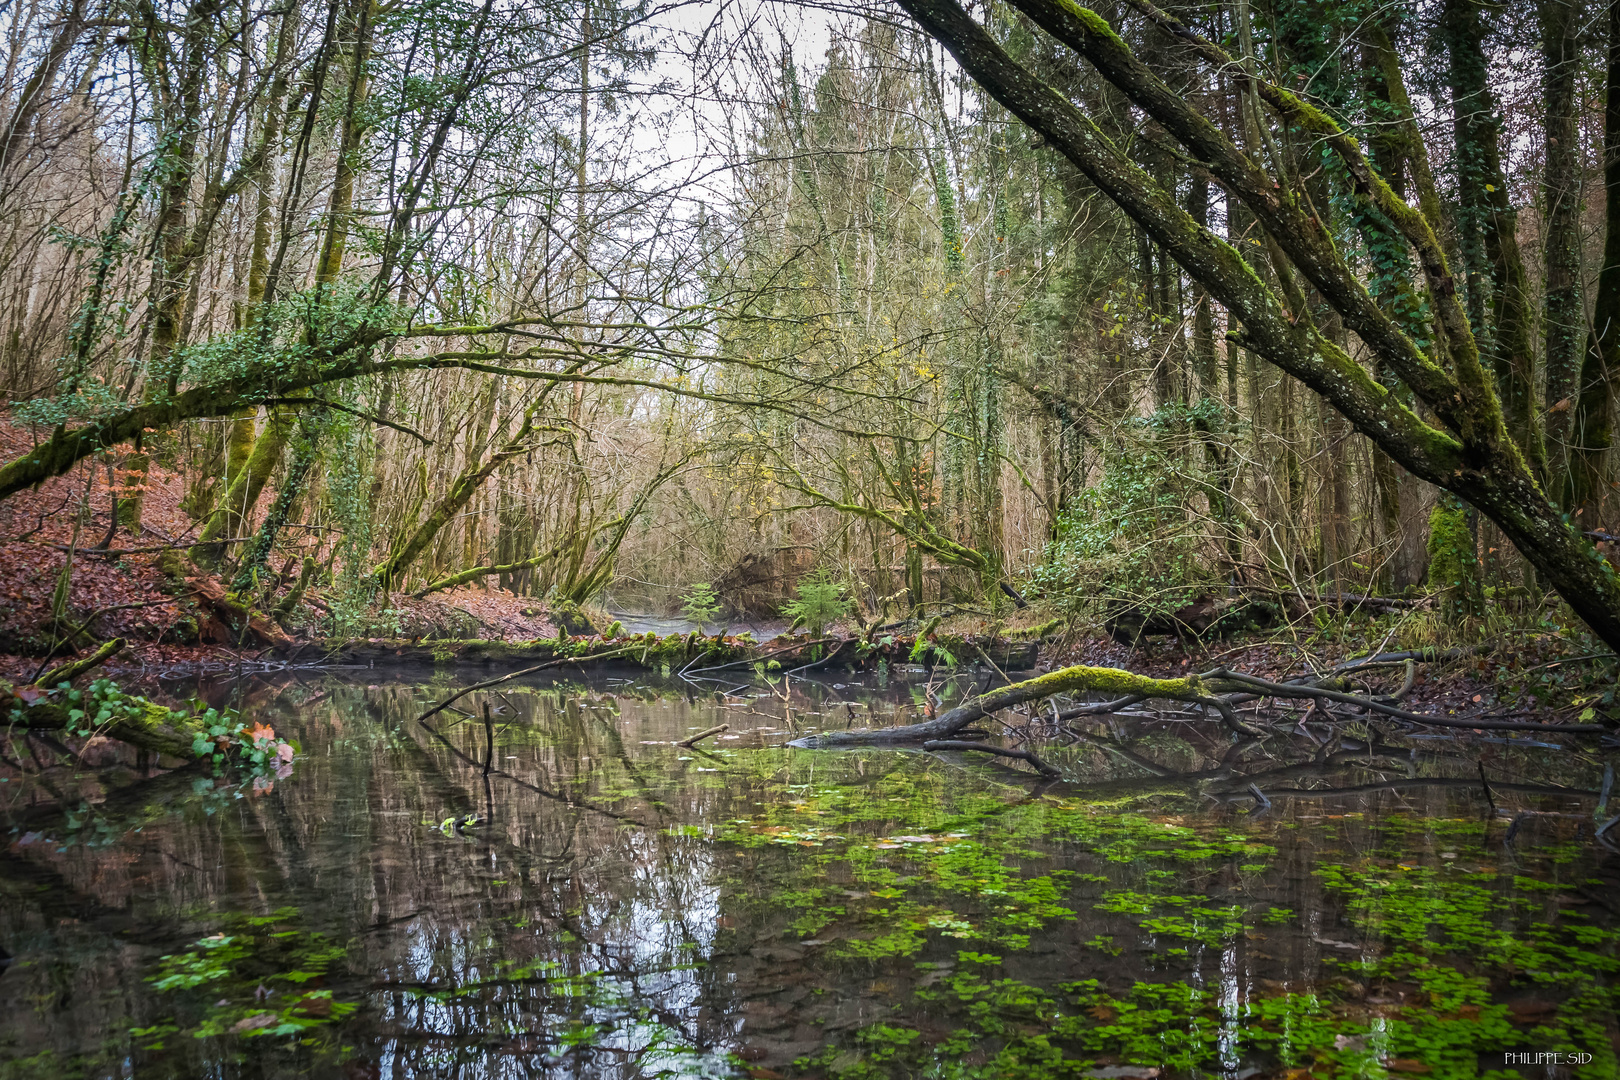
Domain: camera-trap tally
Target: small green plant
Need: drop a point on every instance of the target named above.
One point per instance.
(701, 604)
(821, 601)
(216, 735)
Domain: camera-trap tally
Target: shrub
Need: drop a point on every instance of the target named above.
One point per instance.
(1132, 540)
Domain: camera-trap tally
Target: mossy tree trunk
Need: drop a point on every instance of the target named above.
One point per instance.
(1594, 417)
(1498, 289)
(1467, 448)
(1564, 316)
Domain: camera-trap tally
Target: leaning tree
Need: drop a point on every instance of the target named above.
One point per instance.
(1300, 302)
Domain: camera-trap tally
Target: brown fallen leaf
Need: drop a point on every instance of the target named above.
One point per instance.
(253, 1023)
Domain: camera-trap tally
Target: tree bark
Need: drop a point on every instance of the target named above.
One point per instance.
(1564, 317)
(1594, 418)
(1489, 229)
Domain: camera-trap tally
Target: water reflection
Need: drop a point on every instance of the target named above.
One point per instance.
(550, 888)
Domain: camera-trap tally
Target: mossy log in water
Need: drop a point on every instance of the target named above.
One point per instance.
(1111, 681)
(157, 729)
(654, 653)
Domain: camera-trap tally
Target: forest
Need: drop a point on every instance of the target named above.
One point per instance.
(942, 538)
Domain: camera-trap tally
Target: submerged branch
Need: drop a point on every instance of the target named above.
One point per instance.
(487, 683)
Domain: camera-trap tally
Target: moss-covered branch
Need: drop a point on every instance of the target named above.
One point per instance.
(74, 668)
(103, 710)
(473, 573)
(1081, 679)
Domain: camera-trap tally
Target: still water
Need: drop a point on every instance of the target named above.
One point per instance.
(564, 893)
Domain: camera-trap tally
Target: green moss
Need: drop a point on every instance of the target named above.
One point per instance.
(570, 618)
(1453, 563)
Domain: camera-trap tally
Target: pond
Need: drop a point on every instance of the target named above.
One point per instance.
(564, 893)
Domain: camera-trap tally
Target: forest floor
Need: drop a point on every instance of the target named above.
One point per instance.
(117, 591)
(121, 591)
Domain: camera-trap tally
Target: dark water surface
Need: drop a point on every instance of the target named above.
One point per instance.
(620, 907)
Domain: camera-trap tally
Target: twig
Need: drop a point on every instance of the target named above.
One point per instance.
(1486, 784)
(327, 404)
(513, 675)
(700, 736)
(986, 657)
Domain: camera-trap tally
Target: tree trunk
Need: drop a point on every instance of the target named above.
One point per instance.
(1564, 316)
(1473, 455)
(1488, 225)
(1594, 418)
(461, 491)
(174, 261)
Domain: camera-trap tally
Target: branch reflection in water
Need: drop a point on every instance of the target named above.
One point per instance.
(537, 882)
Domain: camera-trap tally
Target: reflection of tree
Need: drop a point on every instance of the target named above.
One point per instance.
(580, 931)
(450, 935)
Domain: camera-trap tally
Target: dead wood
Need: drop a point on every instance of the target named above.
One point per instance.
(1235, 680)
(1219, 689)
(156, 730)
(237, 619)
(1065, 680)
(487, 683)
(688, 743)
(1422, 656)
(74, 668)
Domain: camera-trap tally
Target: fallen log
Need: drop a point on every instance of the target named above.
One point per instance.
(156, 729)
(1065, 680)
(1217, 689)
